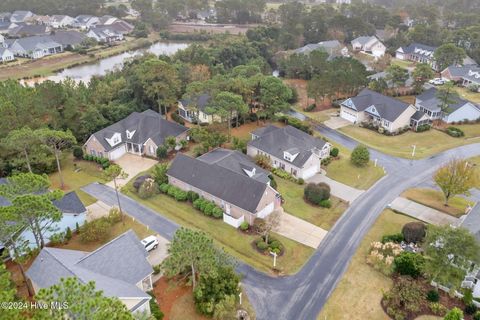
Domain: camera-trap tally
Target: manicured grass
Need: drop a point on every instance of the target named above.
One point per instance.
(407, 99)
(468, 95)
(295, 205)
(427, 143)
(117, 229)
(402, 63)
(342, 170)
(435, 199)
(235, 242)
(358, 294)
(87, 172)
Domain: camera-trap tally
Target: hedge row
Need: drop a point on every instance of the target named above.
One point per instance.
(104, 162)
(174, 192)
(287, 176)
(209, 208)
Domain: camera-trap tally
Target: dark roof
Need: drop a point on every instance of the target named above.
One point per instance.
(122, 27)
(235, 161)
(68, 38)
(264, 130)
(30, 44)
(116, 267)
(387, 107)
(70, 203)
(418, 115)
(201, 102)
(276, 140)
(147, 125)
(428, 99)
(28, 30)
(460, 71)
(420, 49)
(225, 184)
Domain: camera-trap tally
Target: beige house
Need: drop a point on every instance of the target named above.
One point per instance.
(139, 133)
(119, 268)
(229, 179)
(290, 149)
(193, 110)
(382, 111)
(369, 45)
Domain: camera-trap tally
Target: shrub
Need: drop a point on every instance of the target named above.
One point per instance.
(180, 195)
(159, 173)
(172, 190)
(162, 152)
(300, 181)
(476, 316)
(433, 296)
(409, 264)
(405, 296)
(196, 203)
(154, 307)
(148, 189)
(156, 269)
(360, 156)
(261, 245)
(177, 118)
(273, 183)
(396, 237)
(164, 187)
(209, 209)
(423, 128)
(334, 152)
(283, 174)
(139, 181)
(455, 132)
(203, 204)
(77, 228)
(454, 314)
(467, 296)
(310, 108)
(96, 230)
(68, 234)
(244, 226)
(56, 239)
(326, 203)
(114, 216)
(217, 212)
(192, 196)
(78, 152)
(438, 308)
(470, 308)
(326, 161)
(263, 161)
(413, 232)
(315, 193)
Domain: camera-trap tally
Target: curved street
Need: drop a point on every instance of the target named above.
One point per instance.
(303, 295)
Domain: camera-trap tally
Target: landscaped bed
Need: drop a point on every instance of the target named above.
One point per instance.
(295, 204)
(427, 143)
(436, 200)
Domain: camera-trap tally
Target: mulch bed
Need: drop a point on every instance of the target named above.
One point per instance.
(445, 300)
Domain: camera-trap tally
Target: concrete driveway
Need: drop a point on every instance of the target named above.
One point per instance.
(156, 256)
(336, 123)
(337, 189)
(300, 230)
(97, 210)
(422, 212)
(132, 165)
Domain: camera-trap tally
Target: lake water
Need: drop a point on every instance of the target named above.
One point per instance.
(85, 72)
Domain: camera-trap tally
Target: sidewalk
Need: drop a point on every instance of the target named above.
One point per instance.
(337, 189)
(300, 230)
(422, 212)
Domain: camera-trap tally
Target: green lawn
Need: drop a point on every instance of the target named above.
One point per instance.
(402, 63)
(295, 205)
(117, 229)
(87, 172)
(232, 240)
(427, 143)
(358, 294)
(435, 199)
(468, 95)
(342, 170)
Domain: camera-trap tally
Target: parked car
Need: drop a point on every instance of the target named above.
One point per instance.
(150, 243)
(437, 81)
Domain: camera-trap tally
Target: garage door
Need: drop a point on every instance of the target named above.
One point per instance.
(266, 211)
(350, 116)
(117, 153)
(310, 172)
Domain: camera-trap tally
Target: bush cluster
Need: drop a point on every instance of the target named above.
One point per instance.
(310, 108)
(78, 152)
(438, 308)
(296, 123)
(414, 232)
(423, 128)
(287, 176)
(455, 132)
(174, 192)
(334, 152)
(273, 245)
(99, 229)
(326, 161)
(148, 189)
(162, 152)
(154, 307)
(176, 117)
(209, 208)
(381, 130)
(104, 162)
(244, 226)
(318, 193)
(360, 156)
(409, 264)
(433, 296)
(396, 237)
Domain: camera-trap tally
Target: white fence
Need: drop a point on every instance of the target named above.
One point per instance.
(456, 293)
(232, 221)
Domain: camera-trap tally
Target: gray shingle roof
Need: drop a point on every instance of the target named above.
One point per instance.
(420, 49)
(28, 30)
(363, 40)
(68, 38)
(30, 44)
(201, 102)
(225, 184)
(428, 99)
(235, 161)
(332, 47)
(388, 108)
(276, 141)
(115, 267)
(148, 124)
(70, 203)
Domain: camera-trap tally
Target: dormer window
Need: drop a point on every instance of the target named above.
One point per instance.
(249, 173)
(130, 134)
(115, 139)
(290, 154)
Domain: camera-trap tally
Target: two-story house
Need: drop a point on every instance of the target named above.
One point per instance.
(290, 149)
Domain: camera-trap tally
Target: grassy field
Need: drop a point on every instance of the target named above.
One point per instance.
(342, 170)
(427, 143)
(232, 240)
(77, 174)
(117, 229)
(467, 94)
(402, 63)
(358, 294)
(296, 205)
(435, 199)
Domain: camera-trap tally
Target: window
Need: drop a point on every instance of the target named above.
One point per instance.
(151, 150)
(294, 172)
(386, 123)
(282, 165)
(116, 139)
(93, 152)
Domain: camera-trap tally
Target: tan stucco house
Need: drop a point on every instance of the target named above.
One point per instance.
(290, 149)
(119, 268)
(231, 180)
(139, 133)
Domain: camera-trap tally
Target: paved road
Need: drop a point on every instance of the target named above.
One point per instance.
(302, 295)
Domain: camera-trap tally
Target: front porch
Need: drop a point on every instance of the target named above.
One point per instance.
(135, 148)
